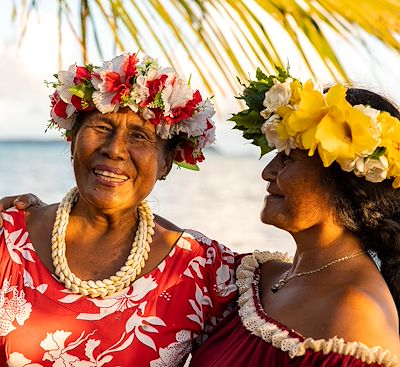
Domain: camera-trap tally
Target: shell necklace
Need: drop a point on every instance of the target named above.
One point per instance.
(285, 278)
(124, 277)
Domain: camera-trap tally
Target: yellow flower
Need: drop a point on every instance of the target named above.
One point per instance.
(344, 131)
(390, 139)
(296, 87)
(311, 109)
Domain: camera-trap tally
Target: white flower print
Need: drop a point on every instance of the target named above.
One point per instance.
(28, 282)
(176, 352)
(58, 352)
(17, 245)
(139, 324)
(128, 298)
(197, 305)
(13, 307)
(19, 360)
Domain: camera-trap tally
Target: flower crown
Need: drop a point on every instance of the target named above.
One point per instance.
(158, 94)
(285, 114)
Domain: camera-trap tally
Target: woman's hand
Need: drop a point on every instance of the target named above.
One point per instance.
(20, 202)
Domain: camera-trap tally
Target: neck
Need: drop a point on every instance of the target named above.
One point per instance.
(104, 220)
(321, 244)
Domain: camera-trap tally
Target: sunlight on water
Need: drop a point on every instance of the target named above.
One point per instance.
(223, 200)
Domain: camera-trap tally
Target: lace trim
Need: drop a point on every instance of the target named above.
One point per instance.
(281, 338)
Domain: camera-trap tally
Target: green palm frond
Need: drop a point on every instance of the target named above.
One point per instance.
(226, 38)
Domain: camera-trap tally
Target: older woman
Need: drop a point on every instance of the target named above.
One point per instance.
(96, 280)
(329, 305)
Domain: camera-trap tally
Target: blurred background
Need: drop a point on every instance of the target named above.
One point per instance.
(209, 41)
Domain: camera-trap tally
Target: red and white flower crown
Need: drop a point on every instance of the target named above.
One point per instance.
(158, 94)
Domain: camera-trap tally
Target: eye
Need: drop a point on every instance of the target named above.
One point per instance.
(102, 127)
(138, 135)
(286, 158)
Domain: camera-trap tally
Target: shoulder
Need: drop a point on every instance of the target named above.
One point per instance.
(165, 223)
(359, 315)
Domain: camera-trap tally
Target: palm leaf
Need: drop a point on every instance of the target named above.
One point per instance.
(226, 38)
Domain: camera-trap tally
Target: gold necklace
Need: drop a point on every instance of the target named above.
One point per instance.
(285, 278)
(124, 277)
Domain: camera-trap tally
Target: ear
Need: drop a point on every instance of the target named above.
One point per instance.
(167, 164)
(72, 147)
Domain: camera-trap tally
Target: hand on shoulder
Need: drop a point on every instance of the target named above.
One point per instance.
(20, 202)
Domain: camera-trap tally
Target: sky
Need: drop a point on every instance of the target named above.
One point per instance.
(24, 102)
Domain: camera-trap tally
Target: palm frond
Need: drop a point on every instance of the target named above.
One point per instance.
(224, 38)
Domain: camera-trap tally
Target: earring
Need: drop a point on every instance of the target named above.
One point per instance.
(163, 177)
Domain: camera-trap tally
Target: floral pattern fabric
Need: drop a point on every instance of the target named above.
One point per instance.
(153, 323)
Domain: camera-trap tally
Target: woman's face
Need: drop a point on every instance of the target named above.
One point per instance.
(117, 159)
(297, 197)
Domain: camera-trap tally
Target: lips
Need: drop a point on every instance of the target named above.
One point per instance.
(110, 176)
(271, 190)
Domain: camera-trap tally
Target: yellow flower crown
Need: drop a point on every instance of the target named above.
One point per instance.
(285, 114)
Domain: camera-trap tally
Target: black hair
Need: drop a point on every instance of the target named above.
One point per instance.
(371, 210)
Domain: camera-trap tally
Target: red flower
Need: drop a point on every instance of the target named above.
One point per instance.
(82, 105)
(158, 115)
(186, 153)
(82, 75)
(154, 87)
(59, 107)
(130, 69)
(185, 112)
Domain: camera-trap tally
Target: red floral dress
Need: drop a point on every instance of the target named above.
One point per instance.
(152, 323)
(249, 337)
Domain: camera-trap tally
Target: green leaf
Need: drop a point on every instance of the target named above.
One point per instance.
(378, 152)
(193, 167)
(78, 90)
(261, 141)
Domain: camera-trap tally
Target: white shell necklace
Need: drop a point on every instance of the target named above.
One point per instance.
(124, 277)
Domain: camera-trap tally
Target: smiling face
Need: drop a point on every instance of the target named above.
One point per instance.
(297, 197)
(117, 159)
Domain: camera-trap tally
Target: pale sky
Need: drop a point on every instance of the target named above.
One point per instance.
(24, 102)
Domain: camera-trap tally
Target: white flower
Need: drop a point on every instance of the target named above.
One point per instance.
(374, 170)
(279, 95)
(176, 93)
(348, 164)
(139, 93)
(273, 138)
(197, 124)
(66, 80)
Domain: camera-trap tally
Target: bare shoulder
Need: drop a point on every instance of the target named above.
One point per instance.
(362, 315)
(166, 231)
(166, 224)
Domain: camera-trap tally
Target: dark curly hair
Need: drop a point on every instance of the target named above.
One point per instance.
(371, 210)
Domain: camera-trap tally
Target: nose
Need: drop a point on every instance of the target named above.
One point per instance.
(271, 170)
(115, 146)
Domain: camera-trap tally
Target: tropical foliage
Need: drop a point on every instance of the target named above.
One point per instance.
(227, 37)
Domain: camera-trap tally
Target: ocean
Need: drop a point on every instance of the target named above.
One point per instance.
(222, 200)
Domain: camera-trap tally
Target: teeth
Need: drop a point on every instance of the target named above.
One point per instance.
(110, 176)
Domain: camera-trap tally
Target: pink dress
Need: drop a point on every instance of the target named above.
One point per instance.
(152, 323)
(249, 337)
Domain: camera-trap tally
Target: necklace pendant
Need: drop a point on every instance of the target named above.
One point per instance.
(275, 288)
